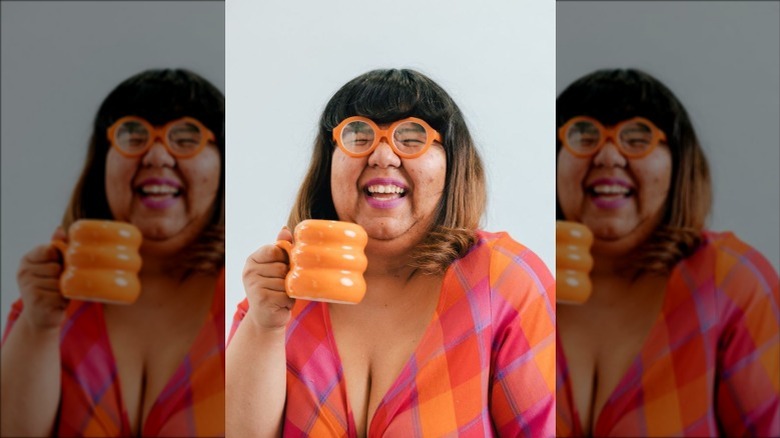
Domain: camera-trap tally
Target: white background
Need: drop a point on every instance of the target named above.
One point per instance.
(285, 60)
(722, 60)
(59, 61)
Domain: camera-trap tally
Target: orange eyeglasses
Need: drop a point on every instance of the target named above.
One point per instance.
(584, 136)
(409, 138)
(132, 136)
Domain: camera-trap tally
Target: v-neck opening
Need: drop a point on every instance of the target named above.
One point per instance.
(393, 389)
(618, 390)
(125, 418)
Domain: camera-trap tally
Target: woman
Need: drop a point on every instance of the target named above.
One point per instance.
(156, 367)
(680, 334)
(455, 333)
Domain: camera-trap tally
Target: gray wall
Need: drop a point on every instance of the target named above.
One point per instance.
(59, 60)
(722, 60)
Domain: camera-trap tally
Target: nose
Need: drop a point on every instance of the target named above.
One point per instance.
(384, 156)
(609, 155)
(158, 156)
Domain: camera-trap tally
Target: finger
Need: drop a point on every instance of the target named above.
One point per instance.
(285, 234)
(272, 285)
(41, 254)
(266, 254)
(253, 280)
(30, 282)
(277, 301)
(268, 270)
(59, 234)
(45, 270)
(50, 286)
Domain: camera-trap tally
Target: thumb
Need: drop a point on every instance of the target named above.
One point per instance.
(285, 234)
(59, 240)
(59, 234)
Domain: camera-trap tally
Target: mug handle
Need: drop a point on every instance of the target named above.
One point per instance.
(287, 246)
(61, 246)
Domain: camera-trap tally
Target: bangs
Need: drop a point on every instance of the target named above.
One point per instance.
(385, 96)
(611, 96)
(160, 96)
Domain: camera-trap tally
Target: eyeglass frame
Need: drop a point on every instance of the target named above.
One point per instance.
(605, 133)
(379, 133)
(159, 133)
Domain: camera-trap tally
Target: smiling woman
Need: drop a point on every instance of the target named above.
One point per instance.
(680, 334)
(154, 367)
(455, 334)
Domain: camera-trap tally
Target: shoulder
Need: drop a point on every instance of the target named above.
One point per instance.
(510, 275)
(733, 262)
(511, 261)
(737, 275)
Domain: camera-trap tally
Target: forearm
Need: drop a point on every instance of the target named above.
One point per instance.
(255, 382)
(30, 374)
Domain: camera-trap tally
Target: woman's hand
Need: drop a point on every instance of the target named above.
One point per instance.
(255, 359)
(30, 367)
(264, 272)
(39, 285)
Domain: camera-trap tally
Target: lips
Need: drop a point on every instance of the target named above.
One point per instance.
(158, 193)
(609, 193)
(384, 192)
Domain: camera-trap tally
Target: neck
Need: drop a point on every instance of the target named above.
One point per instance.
(388, 264)
(615, 280)
(159, 266)
(610, 266)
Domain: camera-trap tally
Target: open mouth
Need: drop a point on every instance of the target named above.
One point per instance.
(384, 191)
(610, 191)
(158, 190)
(158, 193)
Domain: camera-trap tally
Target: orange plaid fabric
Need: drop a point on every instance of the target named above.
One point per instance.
(484, 367)
(191, 404)
(711, 363)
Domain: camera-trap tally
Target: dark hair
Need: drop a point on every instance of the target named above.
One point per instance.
(386, 96)
(158, 96)
(615, 95)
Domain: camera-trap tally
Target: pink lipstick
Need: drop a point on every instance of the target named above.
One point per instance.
(384, 193)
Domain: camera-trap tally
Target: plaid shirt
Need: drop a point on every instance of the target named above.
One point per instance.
(485, 365)
(191, 404)
(711, 363)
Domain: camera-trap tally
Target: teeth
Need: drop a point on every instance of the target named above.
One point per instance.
(159, 190)
(613, 189)
(385, 189)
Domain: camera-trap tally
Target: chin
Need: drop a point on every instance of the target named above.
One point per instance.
(168, 237)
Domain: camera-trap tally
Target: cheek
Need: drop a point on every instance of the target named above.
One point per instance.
(427, 179)
(657, 174)
(119, 172)
(429, 171)
(569, 174)
(344, 172)
(205, 174)
(569, 169)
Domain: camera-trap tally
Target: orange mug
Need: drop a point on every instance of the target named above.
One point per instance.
(327, 261)
(573, 262)
(101, 261)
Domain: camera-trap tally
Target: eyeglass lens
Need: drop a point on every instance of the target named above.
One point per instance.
(408, 137)
(182, 138)
(633, 138)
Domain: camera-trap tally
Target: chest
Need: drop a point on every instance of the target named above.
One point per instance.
(601, 340)
(149, 346)
(375, 345)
